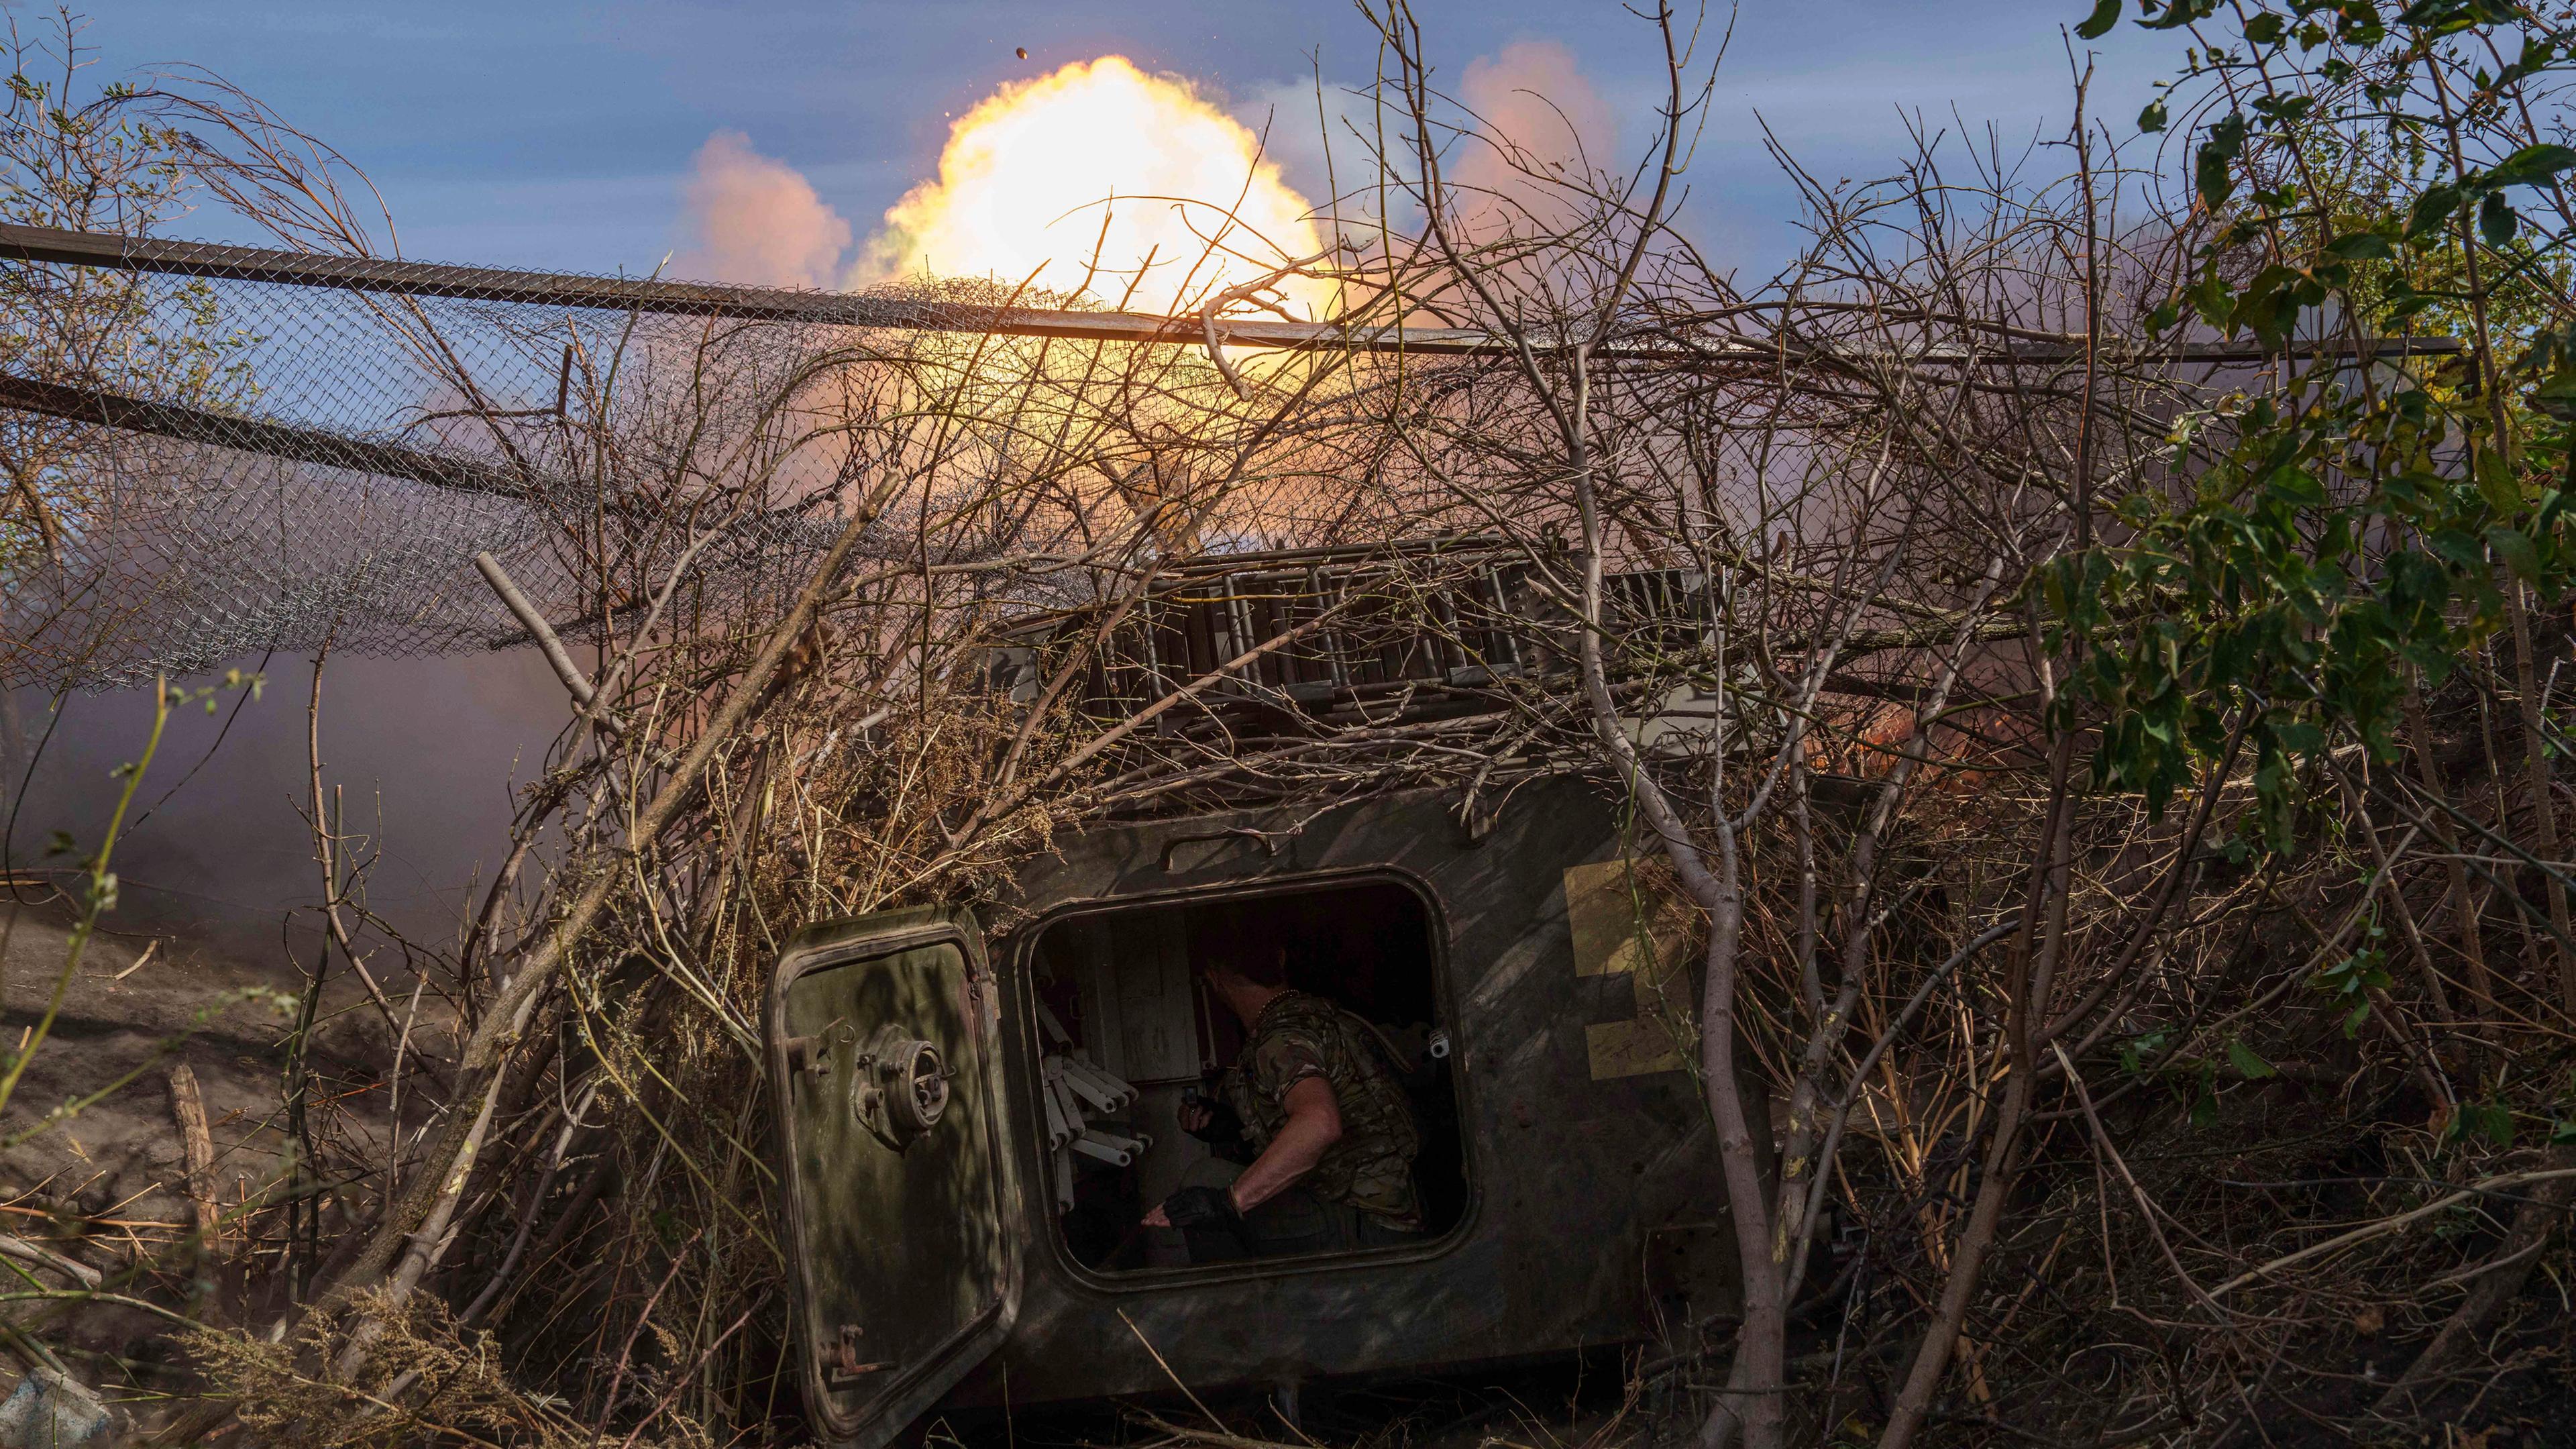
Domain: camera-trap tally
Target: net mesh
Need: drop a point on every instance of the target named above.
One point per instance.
(213, 452)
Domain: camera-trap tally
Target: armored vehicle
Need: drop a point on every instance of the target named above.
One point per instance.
(972, 1127)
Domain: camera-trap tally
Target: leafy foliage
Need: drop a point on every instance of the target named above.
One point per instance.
(2313, 555)
(96, 161)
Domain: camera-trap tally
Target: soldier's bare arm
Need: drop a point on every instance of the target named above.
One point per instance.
(1314, 1124)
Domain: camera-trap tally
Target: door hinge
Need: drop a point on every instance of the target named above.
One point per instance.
(843, 1360)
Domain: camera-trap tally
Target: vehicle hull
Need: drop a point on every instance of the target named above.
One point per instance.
(1593, 1189)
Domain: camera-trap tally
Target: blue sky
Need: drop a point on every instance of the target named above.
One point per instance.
(556, 135)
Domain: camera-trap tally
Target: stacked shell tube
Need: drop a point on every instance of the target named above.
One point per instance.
(1073, 1090)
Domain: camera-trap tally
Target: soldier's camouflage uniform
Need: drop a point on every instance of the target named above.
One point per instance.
(1371, 1167)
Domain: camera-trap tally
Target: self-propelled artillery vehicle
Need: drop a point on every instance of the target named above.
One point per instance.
(972, 1127)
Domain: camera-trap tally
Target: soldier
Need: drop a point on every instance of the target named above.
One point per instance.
(1311, 1100)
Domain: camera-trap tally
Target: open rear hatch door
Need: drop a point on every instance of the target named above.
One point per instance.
(885, 1053)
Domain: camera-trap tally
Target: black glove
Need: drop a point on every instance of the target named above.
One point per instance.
(1202, 1207)
(1224, 1128)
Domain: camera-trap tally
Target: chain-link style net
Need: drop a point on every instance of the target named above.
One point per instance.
(213, 451)
(209, 451)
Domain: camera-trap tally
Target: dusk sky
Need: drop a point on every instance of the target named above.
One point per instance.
(563, 136)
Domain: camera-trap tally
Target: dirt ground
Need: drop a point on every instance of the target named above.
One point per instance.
(107, 1185)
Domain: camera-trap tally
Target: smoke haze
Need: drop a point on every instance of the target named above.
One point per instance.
(425, 752)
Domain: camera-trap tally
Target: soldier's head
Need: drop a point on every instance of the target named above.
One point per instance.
(1247, 972)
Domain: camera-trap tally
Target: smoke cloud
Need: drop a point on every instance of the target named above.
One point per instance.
(1535, 111)
(751, 219)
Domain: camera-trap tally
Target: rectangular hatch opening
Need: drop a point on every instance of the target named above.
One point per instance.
(1128, 1032)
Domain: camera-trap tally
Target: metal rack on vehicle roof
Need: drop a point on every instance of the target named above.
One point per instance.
(1414, 631)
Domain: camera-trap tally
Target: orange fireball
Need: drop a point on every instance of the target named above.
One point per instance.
(1030, 174)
